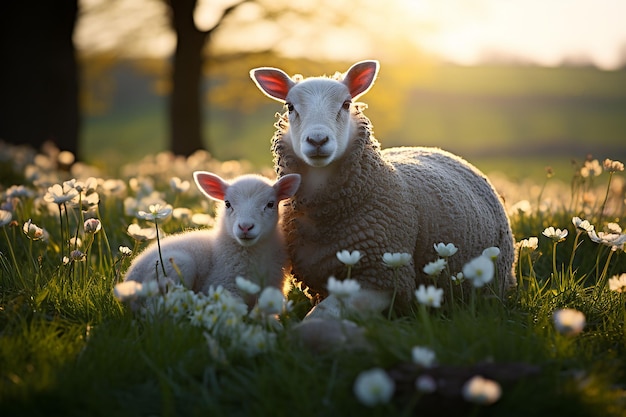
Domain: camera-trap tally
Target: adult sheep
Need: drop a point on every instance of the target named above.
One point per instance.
(354, 196)
(246, 240)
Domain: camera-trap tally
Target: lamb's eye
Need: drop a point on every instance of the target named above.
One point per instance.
(346, 104)
(270, 205)
(289, 106)
(227, 204)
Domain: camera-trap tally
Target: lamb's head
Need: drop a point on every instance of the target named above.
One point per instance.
(250, 211)
(320, 126)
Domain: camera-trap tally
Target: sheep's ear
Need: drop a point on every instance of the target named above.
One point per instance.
(286, 186)
(360, 77)
(273, 82)
(211, 185)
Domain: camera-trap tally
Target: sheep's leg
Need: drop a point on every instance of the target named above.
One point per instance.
(365, 301)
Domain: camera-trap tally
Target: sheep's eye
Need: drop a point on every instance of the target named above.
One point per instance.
(227, 204)
(346, 104)
(270, 205)
(289, 106)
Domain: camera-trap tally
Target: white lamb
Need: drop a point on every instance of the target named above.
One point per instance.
(356, 197)
(246, 240)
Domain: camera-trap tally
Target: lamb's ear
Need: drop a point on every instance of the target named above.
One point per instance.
(273, 82)
(360, 77)
(286, 186)
(211, 185)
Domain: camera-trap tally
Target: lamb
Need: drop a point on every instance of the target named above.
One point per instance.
(246, 240)
(354, 196)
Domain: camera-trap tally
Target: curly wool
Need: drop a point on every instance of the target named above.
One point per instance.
(396, 200)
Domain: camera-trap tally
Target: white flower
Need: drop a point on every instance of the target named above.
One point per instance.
(246, 286)
(92, 226)
(349, 258)
(479, 390)
(430, 296)
(556, 235)
(60, 194)
(127, 290)
(5, 217)
(342, 289)
(613, 227)
(396, 259)
(445, 251)
(374, 387)
(156, 211)
(125, 251)
(434, 268)
(492, 253)
(178, 185)
(33, 231)
(569, 321)
(582, 224)
(612, 166)
(458, 277)
(614, 240)
(271, 301)
(423, 356)
(617, 283)
(141, 234)
(520, 207)
(425, 384)
(479, 270)
(77, 256)
(531, 243)
(591, 169)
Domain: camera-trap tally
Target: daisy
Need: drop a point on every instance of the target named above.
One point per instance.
(479, 270)
(374, 387)
(445, 250)
(479, 390)
(429, 296)
(556, 235)
(349, 258)
(569, 321)
(342, 289)
(396, 259)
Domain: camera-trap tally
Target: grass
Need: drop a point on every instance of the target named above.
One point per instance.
(69, 347)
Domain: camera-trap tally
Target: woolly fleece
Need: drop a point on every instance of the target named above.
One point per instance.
(398, 200)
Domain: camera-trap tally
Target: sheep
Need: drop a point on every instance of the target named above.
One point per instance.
(356, 196)
(246, 240)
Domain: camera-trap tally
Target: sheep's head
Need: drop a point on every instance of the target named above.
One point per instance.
(250, 211)
(320, 126)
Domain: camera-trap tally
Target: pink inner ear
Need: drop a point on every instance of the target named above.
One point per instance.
(360, 77)
(287, 186)
(212, 185)
(273, 82)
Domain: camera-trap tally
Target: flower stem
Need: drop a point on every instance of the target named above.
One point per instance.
(159, 246)
(395, 291)
(606, 197)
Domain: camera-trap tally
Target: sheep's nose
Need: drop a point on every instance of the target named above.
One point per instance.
(246, 227)
(317, 140)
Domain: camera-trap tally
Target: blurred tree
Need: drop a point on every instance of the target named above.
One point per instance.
(185, 106)
(38, 74)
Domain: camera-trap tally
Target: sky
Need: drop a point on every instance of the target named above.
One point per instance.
(545, 32)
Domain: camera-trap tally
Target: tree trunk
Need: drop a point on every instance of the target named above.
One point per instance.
(38, 74)
(185, 107)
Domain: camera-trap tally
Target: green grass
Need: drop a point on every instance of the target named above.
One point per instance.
(69, 347)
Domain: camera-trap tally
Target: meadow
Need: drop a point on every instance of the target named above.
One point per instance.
(70, 344)
(511, 119)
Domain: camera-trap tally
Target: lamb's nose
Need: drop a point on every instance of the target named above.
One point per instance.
(317, 140)
(246, 227)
